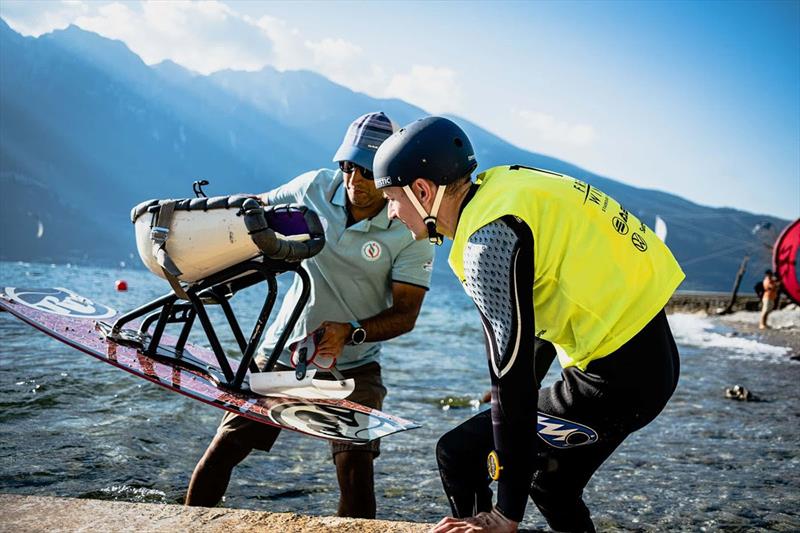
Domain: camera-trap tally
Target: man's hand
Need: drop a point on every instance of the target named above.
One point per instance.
(336, 335)
(493, 522)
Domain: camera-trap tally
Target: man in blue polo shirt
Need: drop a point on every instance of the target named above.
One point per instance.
(367, 286)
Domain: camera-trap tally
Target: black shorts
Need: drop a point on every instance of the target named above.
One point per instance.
(369, 391)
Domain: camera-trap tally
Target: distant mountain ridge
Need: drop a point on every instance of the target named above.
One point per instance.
(87, 130)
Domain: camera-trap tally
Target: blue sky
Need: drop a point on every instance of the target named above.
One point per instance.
(700, 99)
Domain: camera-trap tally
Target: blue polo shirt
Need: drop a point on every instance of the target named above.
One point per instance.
(351, 278)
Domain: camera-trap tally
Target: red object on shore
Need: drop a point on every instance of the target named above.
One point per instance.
(121, 285)
(786, 260)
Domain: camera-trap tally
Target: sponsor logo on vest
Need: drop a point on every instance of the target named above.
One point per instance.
(620, 222)
(371, 251)
(639, 242)
(620, 226)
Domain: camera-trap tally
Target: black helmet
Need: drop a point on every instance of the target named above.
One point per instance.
(433, 148)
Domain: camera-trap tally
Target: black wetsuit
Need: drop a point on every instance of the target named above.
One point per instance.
(615, 396)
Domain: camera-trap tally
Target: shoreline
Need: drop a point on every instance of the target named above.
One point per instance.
(744, 317)
(784, 328)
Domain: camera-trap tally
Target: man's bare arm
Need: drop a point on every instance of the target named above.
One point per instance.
(389, 323)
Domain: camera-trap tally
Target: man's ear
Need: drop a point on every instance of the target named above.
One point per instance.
(424, 190)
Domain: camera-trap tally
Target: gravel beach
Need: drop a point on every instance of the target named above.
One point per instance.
(784, 327)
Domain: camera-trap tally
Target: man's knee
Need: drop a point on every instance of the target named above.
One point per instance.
(354, 462)
(225, 451)
(447, 449)
(563, 508)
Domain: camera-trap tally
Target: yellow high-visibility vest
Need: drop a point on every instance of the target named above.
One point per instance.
(600, 274)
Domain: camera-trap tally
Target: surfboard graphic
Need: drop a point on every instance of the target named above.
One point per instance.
(77, 321)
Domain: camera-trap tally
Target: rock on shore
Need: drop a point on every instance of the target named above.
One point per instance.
(40, 513)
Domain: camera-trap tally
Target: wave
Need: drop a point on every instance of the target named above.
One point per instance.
(702, 332)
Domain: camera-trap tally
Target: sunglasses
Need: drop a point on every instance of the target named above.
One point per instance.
(348, 167)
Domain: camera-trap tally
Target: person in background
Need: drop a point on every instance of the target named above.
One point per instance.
(771, 286)
(367, 286)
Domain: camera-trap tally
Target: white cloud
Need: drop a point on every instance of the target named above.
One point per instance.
(36, 18)
(288, 45)
(333, 51)
(435, 89)
(202, 36)
(210, 35)
(546, 127)
(339, 60)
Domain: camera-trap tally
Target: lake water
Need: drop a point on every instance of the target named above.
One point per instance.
(73, 426)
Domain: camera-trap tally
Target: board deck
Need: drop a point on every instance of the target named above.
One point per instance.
(72, 319)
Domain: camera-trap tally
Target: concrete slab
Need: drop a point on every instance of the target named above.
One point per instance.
(42, 513)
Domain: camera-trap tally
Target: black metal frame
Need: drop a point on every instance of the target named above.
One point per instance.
(215, 290)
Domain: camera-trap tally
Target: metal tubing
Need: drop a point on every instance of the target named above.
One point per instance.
(155, 340)
(184, 336)
(258, 330)
(148, 320)
(232, 322)
(212, 335)
(304, 292)
(236, 278)
(143, 310)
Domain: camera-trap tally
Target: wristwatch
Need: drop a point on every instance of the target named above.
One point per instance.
(358, 335)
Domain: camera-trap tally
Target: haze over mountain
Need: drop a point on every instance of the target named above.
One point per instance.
(87, 131)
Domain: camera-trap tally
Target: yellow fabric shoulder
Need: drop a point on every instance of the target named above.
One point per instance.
(600, 274)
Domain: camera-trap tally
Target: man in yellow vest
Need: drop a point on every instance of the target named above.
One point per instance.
(549, 261)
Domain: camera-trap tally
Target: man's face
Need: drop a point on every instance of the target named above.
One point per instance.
(400, 207)
(360, 191)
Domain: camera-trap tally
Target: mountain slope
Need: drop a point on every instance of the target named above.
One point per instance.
(88, 130)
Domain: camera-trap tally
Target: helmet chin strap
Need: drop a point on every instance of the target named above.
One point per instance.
(429, 218)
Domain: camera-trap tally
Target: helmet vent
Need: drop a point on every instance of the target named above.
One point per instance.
(458, 142)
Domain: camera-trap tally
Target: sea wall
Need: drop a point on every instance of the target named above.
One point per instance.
(42, 513)
(710, 302)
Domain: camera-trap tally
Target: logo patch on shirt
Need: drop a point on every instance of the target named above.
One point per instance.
(427, 266)
(371, 251)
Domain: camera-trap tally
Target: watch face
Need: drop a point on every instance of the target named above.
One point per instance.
(359, 336)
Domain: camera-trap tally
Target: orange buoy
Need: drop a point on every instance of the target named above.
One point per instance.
(121, 285)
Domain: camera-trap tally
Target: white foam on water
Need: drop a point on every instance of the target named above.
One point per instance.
(701, 332)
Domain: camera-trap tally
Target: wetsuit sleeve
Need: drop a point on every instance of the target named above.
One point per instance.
(498, 271)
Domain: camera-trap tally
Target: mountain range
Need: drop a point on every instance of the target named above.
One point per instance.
(88, 130)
